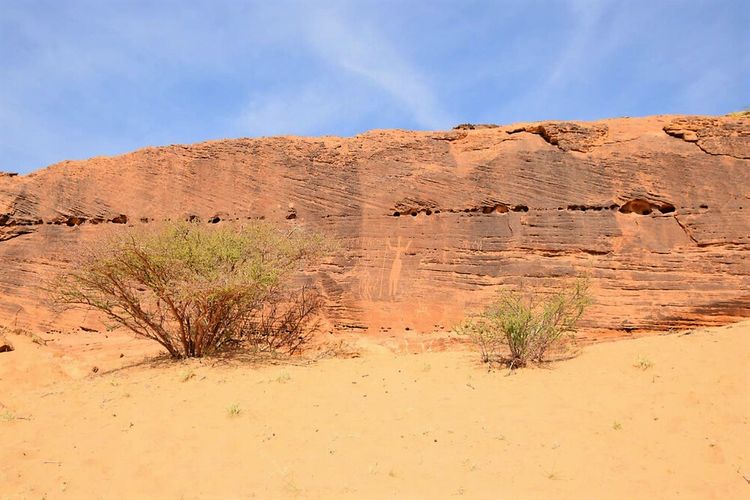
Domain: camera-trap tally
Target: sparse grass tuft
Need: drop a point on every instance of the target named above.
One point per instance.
(186, 375)
(7, 416)
(234, 410)
(643, 363)
(616, 426)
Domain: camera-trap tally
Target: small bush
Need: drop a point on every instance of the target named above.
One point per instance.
(197, 289)
(517, 328)
(643, 363)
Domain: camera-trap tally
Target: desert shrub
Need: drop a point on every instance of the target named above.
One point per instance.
(518, 328)
(197, 289)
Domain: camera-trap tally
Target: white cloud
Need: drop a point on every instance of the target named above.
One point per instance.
(359, 49)
(579, 49)
(368, 70)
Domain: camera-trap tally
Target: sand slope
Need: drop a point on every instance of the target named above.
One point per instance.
(432, 425)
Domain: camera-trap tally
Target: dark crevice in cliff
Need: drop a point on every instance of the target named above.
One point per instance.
(77, 220)
(595, 208)
(14, 227)
(720, 154)
(9, 221)
(686, 230)
(548, 252)
(636, 206)
(500, 208)
(644, 207)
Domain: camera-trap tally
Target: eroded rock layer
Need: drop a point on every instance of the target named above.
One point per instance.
(656, 210)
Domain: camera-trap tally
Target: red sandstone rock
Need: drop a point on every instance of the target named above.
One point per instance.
(656, 210)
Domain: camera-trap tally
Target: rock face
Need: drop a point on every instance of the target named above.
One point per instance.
(655, 210)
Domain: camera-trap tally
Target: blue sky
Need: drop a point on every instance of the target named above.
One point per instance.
(87, 78)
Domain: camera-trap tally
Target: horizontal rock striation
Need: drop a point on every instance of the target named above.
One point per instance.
(655, 210)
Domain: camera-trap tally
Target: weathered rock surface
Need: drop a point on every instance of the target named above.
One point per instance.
(5, 346)
(656, 210)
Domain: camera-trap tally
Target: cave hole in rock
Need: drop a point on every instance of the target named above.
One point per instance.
(75, 221)
(595, 208)
(520, 208)
(397, 214)
(120, 219)
(666, 208)
(214, 220)
(498, 208)
(644, 207)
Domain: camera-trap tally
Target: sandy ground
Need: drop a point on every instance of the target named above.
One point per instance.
(656, 417)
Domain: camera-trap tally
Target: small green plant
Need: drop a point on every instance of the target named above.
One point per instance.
(283, 378)
(616, 426)
(186, 375)
(7, 416)
(643, 363)
(234, 410)
(525, 326)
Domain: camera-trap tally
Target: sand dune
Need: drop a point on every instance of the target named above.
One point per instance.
(655, 417)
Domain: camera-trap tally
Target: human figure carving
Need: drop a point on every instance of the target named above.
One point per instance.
(395, 275)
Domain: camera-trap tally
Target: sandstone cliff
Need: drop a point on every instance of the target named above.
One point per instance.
(656, 210)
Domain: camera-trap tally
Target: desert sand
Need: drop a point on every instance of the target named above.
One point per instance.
(653, 417)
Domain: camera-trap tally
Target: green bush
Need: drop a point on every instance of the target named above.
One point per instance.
(197, 289)
(518, 328)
